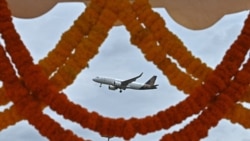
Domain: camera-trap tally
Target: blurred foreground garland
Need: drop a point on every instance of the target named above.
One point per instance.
(215, 94)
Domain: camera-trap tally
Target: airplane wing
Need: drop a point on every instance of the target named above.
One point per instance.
(126, 82)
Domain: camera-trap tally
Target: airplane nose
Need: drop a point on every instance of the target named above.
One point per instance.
(94, 79)
(97, 79)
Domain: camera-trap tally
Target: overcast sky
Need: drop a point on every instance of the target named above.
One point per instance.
(119, 59)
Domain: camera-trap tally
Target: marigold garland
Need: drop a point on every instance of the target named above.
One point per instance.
(3, 98)
(156, 25)
(247, 96)
(242, 116)
(31, 93)
(9, 117)
(27, 106)
(85, 50)
(70, 39)
(218, 109)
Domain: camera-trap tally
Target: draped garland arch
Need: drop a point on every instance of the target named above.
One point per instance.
(32, 87)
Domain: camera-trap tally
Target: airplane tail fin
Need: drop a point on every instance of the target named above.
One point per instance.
(151, 81)
(150, 84)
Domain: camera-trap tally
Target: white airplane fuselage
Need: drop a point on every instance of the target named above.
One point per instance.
(116, 82)
(127, 84)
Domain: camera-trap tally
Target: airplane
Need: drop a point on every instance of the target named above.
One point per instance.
(126, 84)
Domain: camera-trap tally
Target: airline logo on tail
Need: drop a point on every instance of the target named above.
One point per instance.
(150, 84)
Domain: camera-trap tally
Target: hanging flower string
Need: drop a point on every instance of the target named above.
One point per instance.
(85, 50)
(233, 71)
(9, 117)
(156, 53)
(156, 25)
(3, 98)
(73, 33)
(70, 39)
(247, 97)
(216, 111)
(234, 92)
(242, 116)
(26, 105)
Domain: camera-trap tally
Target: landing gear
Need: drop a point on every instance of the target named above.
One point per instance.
(120, 90)
(100, 85)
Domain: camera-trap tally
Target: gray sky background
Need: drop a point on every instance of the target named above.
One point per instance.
(119, 59)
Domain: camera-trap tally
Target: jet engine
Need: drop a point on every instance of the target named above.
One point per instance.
(112, 87)
(117, 83)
